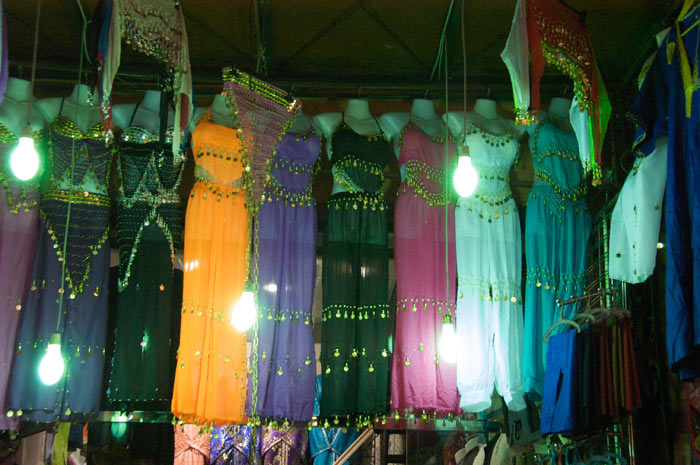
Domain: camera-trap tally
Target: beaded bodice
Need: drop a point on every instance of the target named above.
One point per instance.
(424, 159)
(141, 135)
(20, 195)
(492, 157)
(556, 161)
(92, 156)
(292, 168)
(358, 161)
(218, 152)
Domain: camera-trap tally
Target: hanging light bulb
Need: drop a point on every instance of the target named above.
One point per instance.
(24, 160)
(448, 347)
(245, 311)
(465, 177)
(52, 365)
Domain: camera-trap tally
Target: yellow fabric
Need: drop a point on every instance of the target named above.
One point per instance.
(688, 86)
(60, 444)
(210, 379)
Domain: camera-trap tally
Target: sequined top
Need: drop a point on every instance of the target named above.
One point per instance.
(358, 161)
(93, 156)
(556, 161)
(218, 153)
(424, 159)
(492, 157)
(150, 177)
(292, 168)
(20, 195)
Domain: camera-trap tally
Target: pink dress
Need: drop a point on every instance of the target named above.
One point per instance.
(420, 379)
(191, 445)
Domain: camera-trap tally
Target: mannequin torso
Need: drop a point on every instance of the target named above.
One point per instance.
(357, 117)
(76, 107)
(557, 113)
(422, 114)
(13, 111)
(302, 123)
(145, 114)
(220, 113)
(484, 116)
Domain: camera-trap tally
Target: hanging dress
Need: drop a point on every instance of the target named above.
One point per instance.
(636, 218)
(285, 446)
(18, 230)
(557, 225)
(328, 444)
(191, 445)
(210, 376)
(355, 336)
(83, 322)
(233, 445)
(149, 226)
(286, 361)
(489, 305)
(420, 381)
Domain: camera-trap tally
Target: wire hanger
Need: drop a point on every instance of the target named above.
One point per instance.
(585, 314)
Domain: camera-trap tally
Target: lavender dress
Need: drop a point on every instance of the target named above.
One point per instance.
(286, 366)
(18, 228)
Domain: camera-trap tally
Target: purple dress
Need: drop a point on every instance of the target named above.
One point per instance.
(18, 228)
(285, 446)
(286, 365)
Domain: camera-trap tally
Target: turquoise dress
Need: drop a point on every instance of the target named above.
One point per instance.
(557, 225)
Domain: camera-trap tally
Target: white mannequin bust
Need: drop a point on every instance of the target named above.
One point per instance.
(422, 114)
(13, 111)
(485, 116)
(357, 117)
(302, 123)
(146, 116)
(219, 112)
(76, 108)
(558, 113)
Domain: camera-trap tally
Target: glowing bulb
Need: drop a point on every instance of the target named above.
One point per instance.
(449, 347)
(245, 312)
(24, 160)
(52, 365)
(465, 177)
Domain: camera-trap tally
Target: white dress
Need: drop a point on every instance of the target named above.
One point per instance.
(636, 218)
(489, 321)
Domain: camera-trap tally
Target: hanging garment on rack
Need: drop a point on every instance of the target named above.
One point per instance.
(191, 445)
(19, 217)
(286, 361)
(355, 336)
(549, 32)
(636, 218)
(210, 376)
(149, 223)
(560, 388)
(234, 445)
(83, 322)
(328, 444)
(155, 28)
(489, 305)
(419, 381)
(668, 105)
(557, 226)
(285, 446)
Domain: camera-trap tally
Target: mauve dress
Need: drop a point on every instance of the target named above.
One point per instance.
(420, 379)
(18, 230)
(286, 365)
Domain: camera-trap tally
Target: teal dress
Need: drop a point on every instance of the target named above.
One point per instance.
(557, 225)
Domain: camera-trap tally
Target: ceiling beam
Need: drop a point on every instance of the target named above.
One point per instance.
(341, 18)
(393, 35)
(215, 35)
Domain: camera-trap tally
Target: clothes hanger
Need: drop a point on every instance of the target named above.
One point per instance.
(585, 314)
(561, 322)
(617, 457)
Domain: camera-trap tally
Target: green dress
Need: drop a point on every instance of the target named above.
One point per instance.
(355, 337)
(149, 225)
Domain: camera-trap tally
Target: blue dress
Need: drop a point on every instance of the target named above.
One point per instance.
(660, 109)
(83, 323)
(328, 444)
(557, 225)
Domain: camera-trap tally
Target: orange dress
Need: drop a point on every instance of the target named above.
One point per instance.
(210, 379)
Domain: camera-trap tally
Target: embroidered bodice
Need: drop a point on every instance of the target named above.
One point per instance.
(150, 177)
(92, 155)
(20, 195)
(292, 169)
(492, 157)
(358, 161)
(219, 154)
(231, 445)
(556, 161)
(424, 159)
(141, 135)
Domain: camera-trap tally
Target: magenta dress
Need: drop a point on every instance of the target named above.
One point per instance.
(420, 379)
(18, 237)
